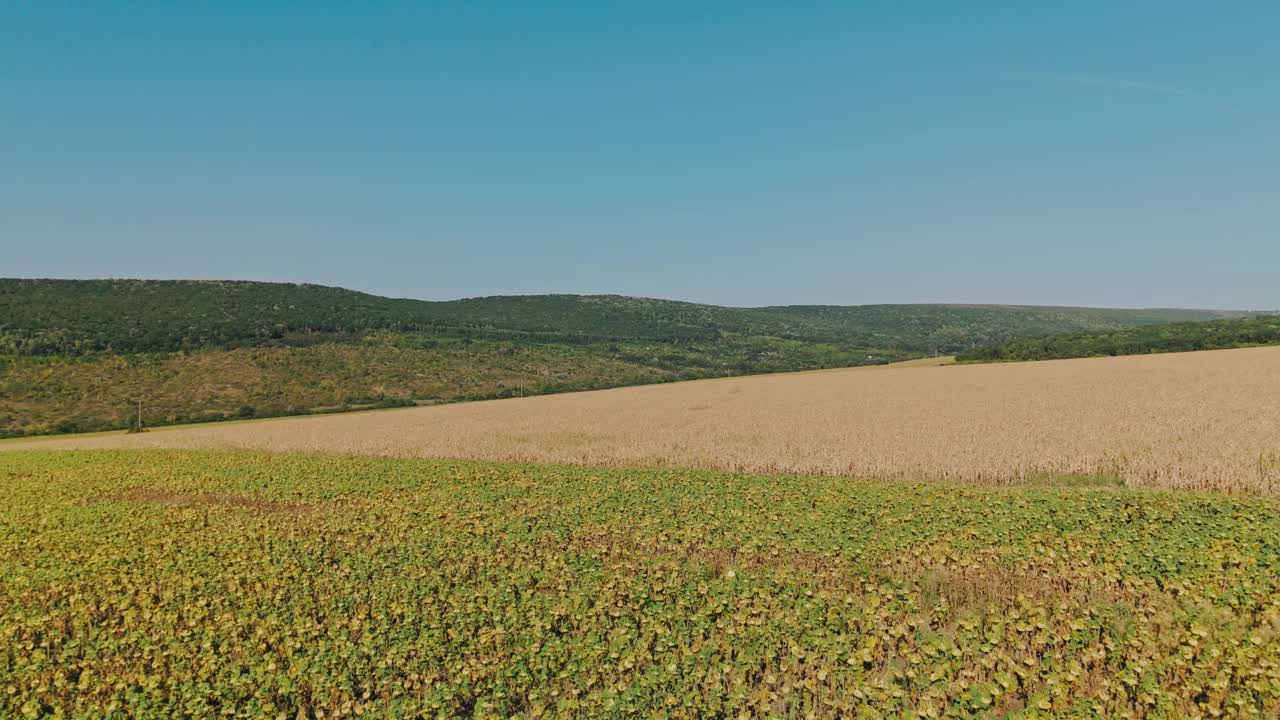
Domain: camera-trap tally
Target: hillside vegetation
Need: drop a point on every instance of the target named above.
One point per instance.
(161, 584)
(53, 394)
(1162, 338)
(42, 317)
(76, 355)
(1191, 421)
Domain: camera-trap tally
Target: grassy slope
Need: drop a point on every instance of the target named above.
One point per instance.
(505, 387)
(75, 354)
(94, 392)
(159, 583)
(1168, 337)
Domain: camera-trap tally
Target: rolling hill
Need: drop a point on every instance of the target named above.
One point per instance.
(1141, 340)
(76, 355)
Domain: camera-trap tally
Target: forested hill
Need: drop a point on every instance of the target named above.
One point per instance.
(1162, 338)
(70, 317)
(78, 355)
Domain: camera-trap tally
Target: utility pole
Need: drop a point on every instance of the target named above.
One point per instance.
(137, 421)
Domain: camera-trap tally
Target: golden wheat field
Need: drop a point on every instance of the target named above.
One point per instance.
(1207, 420)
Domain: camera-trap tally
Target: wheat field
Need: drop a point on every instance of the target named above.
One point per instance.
(1207, 420)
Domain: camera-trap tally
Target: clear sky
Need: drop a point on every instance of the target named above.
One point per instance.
(1097, 153)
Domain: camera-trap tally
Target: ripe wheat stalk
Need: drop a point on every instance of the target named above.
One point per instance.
(1207, 420)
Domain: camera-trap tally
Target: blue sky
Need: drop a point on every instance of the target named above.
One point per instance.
(747, 153)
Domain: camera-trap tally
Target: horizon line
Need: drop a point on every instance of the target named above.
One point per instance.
(214, 281)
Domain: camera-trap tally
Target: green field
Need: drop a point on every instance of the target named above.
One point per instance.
(162, 584)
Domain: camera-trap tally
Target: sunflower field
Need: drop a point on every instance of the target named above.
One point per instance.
(210, 584)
